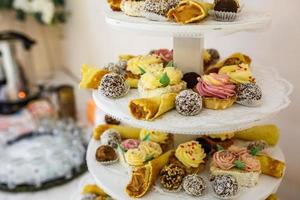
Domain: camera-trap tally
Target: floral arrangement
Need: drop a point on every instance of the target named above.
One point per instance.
(44, 11)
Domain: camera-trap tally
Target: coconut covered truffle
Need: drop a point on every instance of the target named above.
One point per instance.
(113, 86)
(111, 137)
(249, 94)
(194, 185)
(158, 9)
(188, 103)
(225, 186)
(171, 177)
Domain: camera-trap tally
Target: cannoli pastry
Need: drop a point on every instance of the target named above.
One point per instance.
(151, 108)
(126, 132)
(115, 5)
(239, 74)
(133, 8)
(271, 166)
(268, 133)
(91, 77)
(189, 11)
(144, 177)
(234, 59)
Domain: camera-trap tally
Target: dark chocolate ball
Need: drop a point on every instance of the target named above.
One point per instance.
(191, 78)
(204, 144)
(226, 6)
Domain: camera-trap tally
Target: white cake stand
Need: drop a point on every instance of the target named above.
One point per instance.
(114, 178)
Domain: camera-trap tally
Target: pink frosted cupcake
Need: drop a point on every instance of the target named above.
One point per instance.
(217, 91)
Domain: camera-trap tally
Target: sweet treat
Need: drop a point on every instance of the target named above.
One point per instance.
(258, 145)
(130, 144)
(93, 189)
(194, 185)
(222, 136)
(205, 144)
(112, 67)
(171, 177)
(111, 120)
(113, 86)
(189, 11)
(133, 8)
(225, 10)
(271, 166)
(138, 65)
(151, 149)
(143, 178)
(126, 132)
(135, 157)
(217, 91)
(210, 57)
(236, 161)
(268, 133)
(272, 197)
(188, 103)
(238, 74)
(249, 94)
(191, 155)
(162, 81)
(165, 140)
(91, 77)
(191, 79)
(115, 5)
(225, 186)
(106, 154)
(152, 108)
(156, 9)
(165, 54)
(111, 137)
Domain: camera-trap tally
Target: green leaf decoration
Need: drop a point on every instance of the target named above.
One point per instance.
(219, 148)
(170, 64)
(121, 148)
(147, 138)
(164, 80)
(254, 151)
(239, 164)
(142, 70)
(149, 157)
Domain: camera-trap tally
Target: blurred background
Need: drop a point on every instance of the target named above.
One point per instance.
(54, 53)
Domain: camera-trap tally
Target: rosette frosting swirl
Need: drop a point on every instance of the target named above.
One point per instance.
(130, 144)
(151, 149)
(251, 163)
(135, 157)
(191, 154)
(216, 85)
(238, 151)
(224, 159)
(155, 136)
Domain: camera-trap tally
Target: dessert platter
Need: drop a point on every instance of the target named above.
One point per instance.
(186, 123)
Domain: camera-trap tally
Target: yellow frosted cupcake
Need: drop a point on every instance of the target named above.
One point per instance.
(165, 140)
(135, 157)
(151, 149)
(217, 91)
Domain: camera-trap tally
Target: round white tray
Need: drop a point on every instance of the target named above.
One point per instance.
(114, 178)
(248, 20)
(276, 93)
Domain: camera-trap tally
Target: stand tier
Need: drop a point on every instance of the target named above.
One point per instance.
(276, 93)
(114, 178)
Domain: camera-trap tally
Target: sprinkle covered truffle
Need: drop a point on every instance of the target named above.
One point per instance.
(194, 185)
(113, 86)
(225, 186)
(188, 103)
(111, 137)
(249, 94)
(171, 177)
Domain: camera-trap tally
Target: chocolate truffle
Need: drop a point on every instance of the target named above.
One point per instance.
(111, 137)
(171, 177)
(106, 153)
(205, 144)
(214, 54)
(226, 6)
(191, 79)
(249, 94)
(110, 120)
(113, 86)
(225, 186)
(159, 7)
(188, 103)
(194, 185)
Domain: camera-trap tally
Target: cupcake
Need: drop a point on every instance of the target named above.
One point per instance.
(151, 149)
(157, 9)
(217, 91)
(130, 144)
(188, 103)
(249, 94)
(191, 156)
(194, 185)
(111, 137)
(134, 8)
(225, 186)
(225, 10)
(165, 140)
(106, 155)
(135, 157)
(171, 177)
(113, 86)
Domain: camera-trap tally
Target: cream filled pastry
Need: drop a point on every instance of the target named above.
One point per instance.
(190, 154)
(238, 73)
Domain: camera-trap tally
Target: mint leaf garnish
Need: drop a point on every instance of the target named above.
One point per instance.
(170, 64)
(219, 148)
(142, 70)
(239, 164)
(147, 138)
(254, 151)
(164, 80)
(149, 157)
(121, 148)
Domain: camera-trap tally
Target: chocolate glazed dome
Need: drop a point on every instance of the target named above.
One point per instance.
(226, 6)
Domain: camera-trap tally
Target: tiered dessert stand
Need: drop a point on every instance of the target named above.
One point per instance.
(188, 48)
